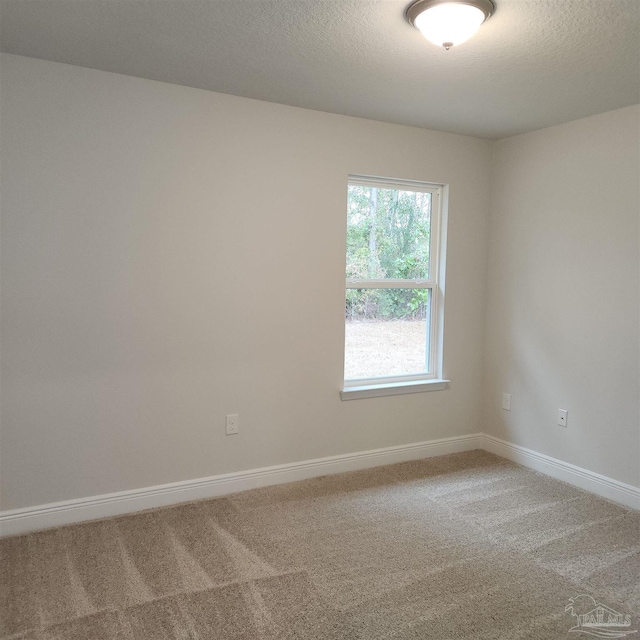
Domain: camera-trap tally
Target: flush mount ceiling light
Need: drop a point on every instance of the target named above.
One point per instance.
(447, 23)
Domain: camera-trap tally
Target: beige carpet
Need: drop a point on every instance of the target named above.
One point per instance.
(467, 546)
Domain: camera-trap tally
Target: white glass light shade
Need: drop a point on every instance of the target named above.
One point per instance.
(449, 24)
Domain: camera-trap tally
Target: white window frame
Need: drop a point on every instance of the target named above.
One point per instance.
(431, 380)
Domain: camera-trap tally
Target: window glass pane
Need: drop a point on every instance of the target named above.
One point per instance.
(387, 332)
(387, 233)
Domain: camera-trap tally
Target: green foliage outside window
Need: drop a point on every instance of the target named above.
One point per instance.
(387, 237)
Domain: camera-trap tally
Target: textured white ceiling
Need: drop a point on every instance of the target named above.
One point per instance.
(535, 63)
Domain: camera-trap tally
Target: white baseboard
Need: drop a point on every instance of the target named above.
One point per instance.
(72, 511)
(56, 514)
(603, 486)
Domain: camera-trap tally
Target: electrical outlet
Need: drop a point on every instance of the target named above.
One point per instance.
(562, 417)
(233, 424)
(506, 401)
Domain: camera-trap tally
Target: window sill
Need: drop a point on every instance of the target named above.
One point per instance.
(392, 389)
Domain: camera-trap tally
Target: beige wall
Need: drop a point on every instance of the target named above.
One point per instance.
(171, 255)
(563, 321)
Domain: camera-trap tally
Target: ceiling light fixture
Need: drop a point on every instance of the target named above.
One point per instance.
(447, 23)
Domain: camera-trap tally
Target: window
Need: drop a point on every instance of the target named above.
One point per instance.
(394, 292)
